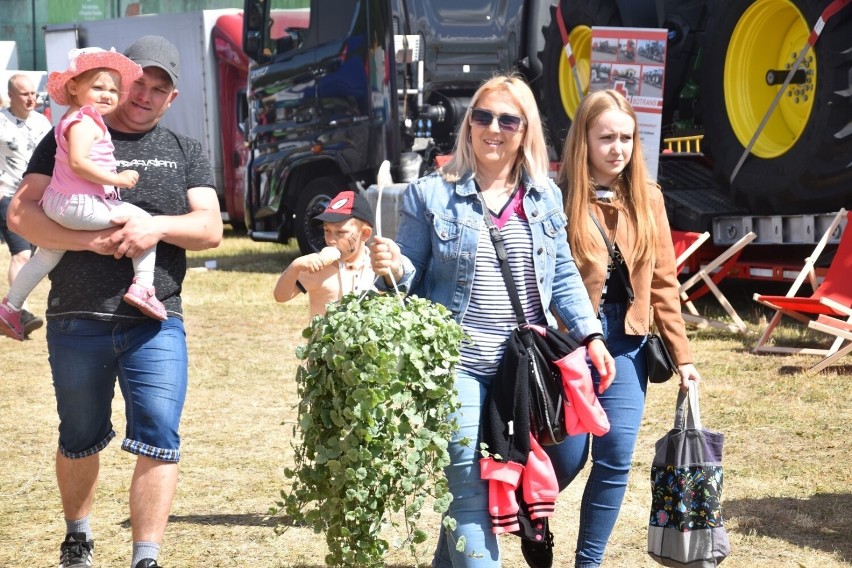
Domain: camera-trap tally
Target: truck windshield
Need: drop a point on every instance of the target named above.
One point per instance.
(288, 29)
(303, 29)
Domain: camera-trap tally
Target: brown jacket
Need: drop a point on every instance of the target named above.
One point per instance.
(655, 286)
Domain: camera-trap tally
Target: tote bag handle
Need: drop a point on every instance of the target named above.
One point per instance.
(688, 414)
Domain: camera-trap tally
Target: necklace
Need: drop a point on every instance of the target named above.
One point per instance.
(351, 275)
(486, 185)
(496, 199)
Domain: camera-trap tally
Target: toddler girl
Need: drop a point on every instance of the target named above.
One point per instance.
(83, 193)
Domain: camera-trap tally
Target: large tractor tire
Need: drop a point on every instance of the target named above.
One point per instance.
(802, 161)
(559, 98)
(312, 201)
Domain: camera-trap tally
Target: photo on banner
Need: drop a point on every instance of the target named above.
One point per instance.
(632, 61)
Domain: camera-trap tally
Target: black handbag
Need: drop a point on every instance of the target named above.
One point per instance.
(546, 394)
(539, 352)
(661, 366)
(659, 361)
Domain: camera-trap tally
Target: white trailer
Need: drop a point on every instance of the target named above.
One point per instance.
(196, 111)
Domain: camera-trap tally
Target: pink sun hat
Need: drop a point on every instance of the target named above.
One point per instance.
(82, 60)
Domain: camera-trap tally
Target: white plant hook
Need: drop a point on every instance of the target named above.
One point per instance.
(383, 178)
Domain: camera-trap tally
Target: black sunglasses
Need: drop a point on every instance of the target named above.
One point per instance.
(506, 122)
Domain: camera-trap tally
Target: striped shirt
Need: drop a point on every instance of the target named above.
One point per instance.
(490, 319)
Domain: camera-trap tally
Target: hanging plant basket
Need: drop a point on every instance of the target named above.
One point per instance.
(377, 391)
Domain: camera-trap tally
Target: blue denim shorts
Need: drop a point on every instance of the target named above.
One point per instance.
(14, 241)
(148, 358)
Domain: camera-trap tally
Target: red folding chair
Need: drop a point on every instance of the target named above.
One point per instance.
(707, 278)
(832, 298)
(685, 244)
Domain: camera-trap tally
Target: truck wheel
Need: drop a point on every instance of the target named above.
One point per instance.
(801, 161)
(312, 201)
(559, 96)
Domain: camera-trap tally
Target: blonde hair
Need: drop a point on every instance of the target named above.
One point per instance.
(578, 187)
(88, 77)
(532, 156)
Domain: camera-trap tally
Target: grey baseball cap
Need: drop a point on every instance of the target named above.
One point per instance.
(155, 51)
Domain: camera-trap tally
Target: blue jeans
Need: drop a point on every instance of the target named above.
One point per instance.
(149, 359)
(469, 507)
(612, 453)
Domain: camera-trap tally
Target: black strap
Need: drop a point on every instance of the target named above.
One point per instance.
(614, 256)
(502, 257)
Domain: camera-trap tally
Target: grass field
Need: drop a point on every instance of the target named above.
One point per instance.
(787, 496)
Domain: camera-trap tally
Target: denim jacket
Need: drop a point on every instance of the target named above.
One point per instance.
(438, 236)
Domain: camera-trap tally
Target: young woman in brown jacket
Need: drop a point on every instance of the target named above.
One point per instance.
(603, 174)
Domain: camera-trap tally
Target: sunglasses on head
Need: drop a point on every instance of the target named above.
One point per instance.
(507, 122)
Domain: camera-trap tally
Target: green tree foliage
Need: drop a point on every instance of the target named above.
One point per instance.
(377, 393)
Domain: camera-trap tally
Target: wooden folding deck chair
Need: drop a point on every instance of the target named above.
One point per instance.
(685, 244)
(831, 299)
(841, 330)
(708, 277)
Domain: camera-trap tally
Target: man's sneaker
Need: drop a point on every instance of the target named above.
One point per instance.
(76, 551)
(146, 300)
(10, 321)
(147, 563)
(30, 322)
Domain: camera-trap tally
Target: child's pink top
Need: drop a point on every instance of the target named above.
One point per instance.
(65, 181)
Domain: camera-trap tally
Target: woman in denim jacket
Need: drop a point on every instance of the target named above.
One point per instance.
(445, 253)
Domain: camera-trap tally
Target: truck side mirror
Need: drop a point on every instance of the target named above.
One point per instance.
(255, 28)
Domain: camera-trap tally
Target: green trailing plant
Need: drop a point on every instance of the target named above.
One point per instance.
(377, 391)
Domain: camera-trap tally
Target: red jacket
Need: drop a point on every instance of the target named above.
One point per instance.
(583, 411)
(537, 483)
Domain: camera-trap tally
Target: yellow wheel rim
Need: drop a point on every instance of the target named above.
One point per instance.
(769, 36)
(581, 44)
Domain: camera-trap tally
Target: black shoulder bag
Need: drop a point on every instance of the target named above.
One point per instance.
(540, 351)
(660, 364)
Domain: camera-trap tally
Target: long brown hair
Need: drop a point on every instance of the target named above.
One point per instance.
(578, 187)
(532, 156)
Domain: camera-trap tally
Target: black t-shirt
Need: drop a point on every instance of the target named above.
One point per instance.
(616, 291)
(89, 285)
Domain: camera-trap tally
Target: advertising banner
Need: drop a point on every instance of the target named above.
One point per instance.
(632, 61)
(62, 11)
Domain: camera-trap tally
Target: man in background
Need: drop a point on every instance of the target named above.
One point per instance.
(96, 339)
(21, 129)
